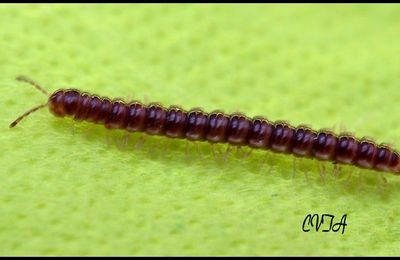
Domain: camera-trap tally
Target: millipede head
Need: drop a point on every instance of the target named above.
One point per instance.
(56, 106)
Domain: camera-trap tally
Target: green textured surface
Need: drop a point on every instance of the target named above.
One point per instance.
(69, 188)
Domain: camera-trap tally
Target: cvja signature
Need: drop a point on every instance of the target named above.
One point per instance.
(326, 221)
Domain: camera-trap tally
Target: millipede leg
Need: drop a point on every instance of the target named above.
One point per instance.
(139, 142)
(122, 143)
(129, 97)
(342, 127)
(213, 150)
(187, 157)
(272, 162)
(157, 149)
(360, 183)
(262, 162)
(88, 131)
(73, 128)
(145, 99)
(306, 177)
(109, 141)
(198, 151)
(384, 181)
(336, 170)
(242, 152)
(348, 179)
(227, 153)
(238, 150)
(217, 153)
(322, 172)
(248, 153)
(333, 128)
(294, 168)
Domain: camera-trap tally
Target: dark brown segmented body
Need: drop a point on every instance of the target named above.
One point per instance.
(216, 127)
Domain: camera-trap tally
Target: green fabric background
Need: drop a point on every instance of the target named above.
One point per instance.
(76, 189)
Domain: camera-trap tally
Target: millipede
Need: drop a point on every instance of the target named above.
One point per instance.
(217, 127)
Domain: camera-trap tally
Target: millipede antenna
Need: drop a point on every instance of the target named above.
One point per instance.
(33, 83)
(27, 113)
(30, 111)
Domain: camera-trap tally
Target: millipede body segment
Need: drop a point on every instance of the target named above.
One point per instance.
(217, 127)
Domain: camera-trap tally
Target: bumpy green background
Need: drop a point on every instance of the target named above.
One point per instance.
(75, 189)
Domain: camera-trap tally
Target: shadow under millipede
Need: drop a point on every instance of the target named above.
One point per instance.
(265, 164)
